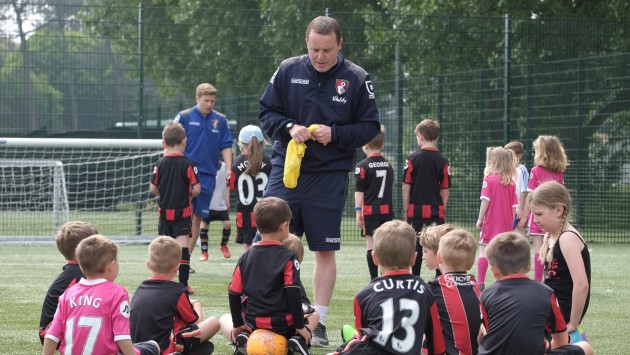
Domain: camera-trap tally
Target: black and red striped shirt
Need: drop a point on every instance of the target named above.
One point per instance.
(461, 312)
(269, 275)
(427, 171)
(70, 275)
(175, 175)
(374, 177)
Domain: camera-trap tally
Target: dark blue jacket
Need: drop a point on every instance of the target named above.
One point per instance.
(342, 98)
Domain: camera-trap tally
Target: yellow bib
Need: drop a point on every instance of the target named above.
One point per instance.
(293, 160)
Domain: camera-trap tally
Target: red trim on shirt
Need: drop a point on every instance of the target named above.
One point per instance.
(397, 272)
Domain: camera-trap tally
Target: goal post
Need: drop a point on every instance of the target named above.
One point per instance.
(45, 182)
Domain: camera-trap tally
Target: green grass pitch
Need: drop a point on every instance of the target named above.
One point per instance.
(27, 271)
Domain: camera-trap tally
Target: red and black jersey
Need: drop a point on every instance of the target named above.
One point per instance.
(249, 190)
(175, 175)
(374, 177)
(427, 171)
(269, 274)
(159, 309)
(395, 311)
(519, 310)
(461, 311)
(70, 275)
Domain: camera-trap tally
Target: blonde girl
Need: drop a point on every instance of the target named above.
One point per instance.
(564, 253)
(550, 162)
(250, 175)
(498, 202)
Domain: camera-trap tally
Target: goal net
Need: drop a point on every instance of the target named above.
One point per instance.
(46, 182)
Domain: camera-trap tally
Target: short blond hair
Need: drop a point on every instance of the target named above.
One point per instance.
(394, 244)
(430, 235)
(458, 249)
(205, 89)
(70, 234)
(164, 254)
(294, 243)
(94, 253)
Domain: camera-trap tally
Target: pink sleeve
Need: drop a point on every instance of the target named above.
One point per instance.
(532, 184)
(120, 314)
(486, 188)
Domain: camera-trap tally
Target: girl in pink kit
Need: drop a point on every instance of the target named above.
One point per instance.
(498, 202)
(550, 162)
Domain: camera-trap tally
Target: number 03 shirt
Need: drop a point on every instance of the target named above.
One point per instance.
(249, 189)
(395, 311)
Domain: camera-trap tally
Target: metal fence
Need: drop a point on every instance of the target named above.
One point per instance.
(125, 70)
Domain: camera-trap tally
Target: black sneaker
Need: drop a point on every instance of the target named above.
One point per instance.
(297, 345)
(319, 336)
(240, 343)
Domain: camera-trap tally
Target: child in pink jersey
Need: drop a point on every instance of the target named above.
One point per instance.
(550, 162)
(93, 316)
(498, 202)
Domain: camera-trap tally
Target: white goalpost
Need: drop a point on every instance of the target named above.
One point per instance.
(45, 182)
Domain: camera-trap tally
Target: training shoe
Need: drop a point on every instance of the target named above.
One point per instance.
(240, 343)
(204, 256)
(319, 336)
(191, 271)
(297, 345)
(225, 251)
(348, 332)
(191, 291)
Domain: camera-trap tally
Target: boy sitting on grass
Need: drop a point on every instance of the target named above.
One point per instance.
(161, 309)
(456, 292)
(269, 274)
(430, 240)
(395, 310)
(519, 309)
(67, 239)
(93, 315)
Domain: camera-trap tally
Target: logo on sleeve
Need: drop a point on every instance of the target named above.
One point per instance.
(484, 185)
(124, 309)
(357, 171)
(296, 264)
(342, 86)
(370, 89)
(177, 118)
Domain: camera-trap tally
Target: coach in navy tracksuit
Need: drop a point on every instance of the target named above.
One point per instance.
(319, 88)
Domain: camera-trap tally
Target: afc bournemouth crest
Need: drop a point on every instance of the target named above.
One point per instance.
(215, 123)
(341, 86)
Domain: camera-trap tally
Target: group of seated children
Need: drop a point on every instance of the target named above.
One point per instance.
(393, 314)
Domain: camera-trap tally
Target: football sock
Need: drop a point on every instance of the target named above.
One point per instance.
(538, 267)
(415, 269)
(226, 235)
(322, 310)
(371, 266)
(184, 267)
(203, 236)
(482, 267)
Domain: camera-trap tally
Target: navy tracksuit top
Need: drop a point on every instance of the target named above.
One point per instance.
(342, 98)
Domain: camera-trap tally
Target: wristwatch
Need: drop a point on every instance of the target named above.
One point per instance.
(288, 127)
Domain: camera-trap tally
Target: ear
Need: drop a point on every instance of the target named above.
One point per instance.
(439, 257)
(412, 261)
(374, 258)
(497, 275)
(164, 144)
(340, 43)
